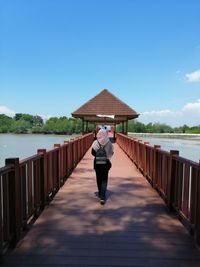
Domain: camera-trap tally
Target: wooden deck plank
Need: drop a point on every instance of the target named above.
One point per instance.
(132, 229)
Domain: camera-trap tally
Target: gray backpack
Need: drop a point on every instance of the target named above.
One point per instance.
(101, 157)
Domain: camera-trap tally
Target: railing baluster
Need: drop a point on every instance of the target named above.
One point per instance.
(197, 219)
(15, 211)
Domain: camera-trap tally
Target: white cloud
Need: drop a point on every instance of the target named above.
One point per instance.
(193, 76)
(160, 113)
(192, 107)
(189, 114)
(7, 111)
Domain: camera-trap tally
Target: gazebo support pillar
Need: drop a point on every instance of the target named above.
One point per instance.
(114, 133)
(83, 126)
(86, 126)
(123, 127)
(126, 127)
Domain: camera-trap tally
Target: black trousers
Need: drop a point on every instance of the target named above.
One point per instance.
(102, 179)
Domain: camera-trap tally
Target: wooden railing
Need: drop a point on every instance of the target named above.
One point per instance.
(27, 186)
(175, 178)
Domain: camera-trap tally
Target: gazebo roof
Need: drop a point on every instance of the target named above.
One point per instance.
(105, 107)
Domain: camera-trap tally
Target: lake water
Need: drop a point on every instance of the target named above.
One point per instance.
(188, 145)
(26, 145)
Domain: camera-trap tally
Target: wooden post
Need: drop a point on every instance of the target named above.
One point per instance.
(86, 126)
(67, 158)
(171, 179)
(43, 176)
(1, 219)
(155, 174)
(145, 158)
(126, 127)
(15, 196)
(114, 133)
(197, 221)
(123, 127)
(138, 153)
(83, 126)
(57, 168)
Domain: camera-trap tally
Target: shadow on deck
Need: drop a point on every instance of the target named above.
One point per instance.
(132, 229)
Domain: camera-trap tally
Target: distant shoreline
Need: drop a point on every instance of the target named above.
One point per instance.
(167, 135)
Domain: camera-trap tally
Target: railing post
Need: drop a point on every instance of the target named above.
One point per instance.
(1, 219)
(197, 222)
(15, 197)
(145, 158)
(139, 155)
(155, 167)
(73, 140)
(43, 176)
(136, 152)
(171, 179)
(67, 157)
(57, 168)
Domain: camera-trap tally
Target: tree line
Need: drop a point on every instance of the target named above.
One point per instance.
(26, 123)
(139, 127)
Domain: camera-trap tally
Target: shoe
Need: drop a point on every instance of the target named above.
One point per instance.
(102, 201)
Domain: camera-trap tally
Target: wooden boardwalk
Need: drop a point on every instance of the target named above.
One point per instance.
(132, 229)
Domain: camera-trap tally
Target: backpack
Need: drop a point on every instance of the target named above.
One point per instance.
(101, 156)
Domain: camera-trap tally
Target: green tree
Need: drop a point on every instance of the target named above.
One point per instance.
(184, 128)
(37, 121)
(6, 123)
(137, 127)
(49, 126)
(194, 130)
(78, 126)
(24, 117)
(21, 126)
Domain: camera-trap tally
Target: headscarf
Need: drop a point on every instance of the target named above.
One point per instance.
(102, 137)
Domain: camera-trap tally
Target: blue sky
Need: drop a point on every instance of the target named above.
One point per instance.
(57, 54)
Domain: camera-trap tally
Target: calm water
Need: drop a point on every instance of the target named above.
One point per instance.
(188, 147)
(26, 145)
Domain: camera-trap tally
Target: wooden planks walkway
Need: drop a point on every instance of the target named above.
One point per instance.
(132, 229)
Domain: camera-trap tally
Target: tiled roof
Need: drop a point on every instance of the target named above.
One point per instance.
(105, 103)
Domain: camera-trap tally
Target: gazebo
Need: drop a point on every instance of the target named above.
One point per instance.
(105, 108)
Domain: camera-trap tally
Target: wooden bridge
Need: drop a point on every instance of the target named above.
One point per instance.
(136, 227)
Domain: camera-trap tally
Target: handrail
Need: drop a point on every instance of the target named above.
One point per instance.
(27, 186)
(175, 178)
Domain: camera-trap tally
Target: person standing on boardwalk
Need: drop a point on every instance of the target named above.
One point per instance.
(102, 150)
